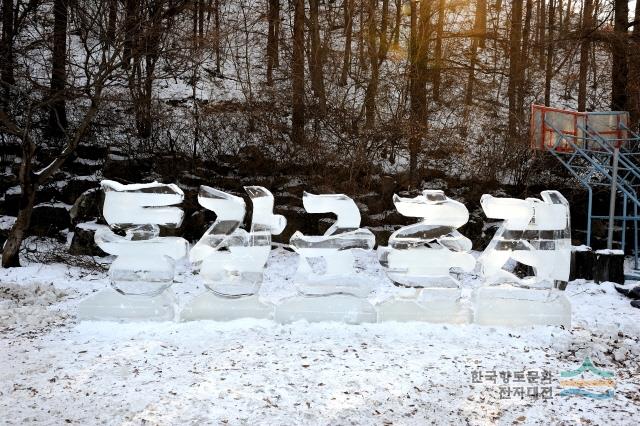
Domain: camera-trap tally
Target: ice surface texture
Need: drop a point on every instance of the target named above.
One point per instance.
(535, 232)
(332, 251)
(232, 260)
(422, 255)
(145, 262)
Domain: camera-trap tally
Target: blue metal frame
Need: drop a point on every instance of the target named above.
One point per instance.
(590, 163)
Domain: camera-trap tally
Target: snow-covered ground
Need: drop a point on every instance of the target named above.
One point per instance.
(54, 369)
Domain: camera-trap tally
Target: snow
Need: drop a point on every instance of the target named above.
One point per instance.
(58, 204)
(6, 222)
(610, 252)
(256, 371)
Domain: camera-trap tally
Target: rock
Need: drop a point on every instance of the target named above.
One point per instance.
(253, 161)
(72, 189)
(128, 170)
(6, 222)
(83, 166)
(87, 206)
(297, 220)
(7, 180)
(195, 225)
(48, 219)
(375, 203)
(11, 204)
(582, 260)
(635, 303)
(634, 293)
(387, 187)
(609, 266)
(83, 242)
(92, 152)
(382, 233)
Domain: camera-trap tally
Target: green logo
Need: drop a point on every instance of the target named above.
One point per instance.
(575, 382)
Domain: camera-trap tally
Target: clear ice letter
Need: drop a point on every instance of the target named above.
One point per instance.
(232, 260)
(145, 262)
(335, 248)
(422, 255)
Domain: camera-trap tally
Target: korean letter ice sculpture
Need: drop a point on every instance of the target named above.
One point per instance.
(326, 266)
(420, 257)
(145, 262)
(535, 233)
(232, 260)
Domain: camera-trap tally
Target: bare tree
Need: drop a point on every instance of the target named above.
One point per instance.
(316, 58)
(348, 31)
(548, 74)
(272, 38)
(97, 70)
(619, 52)
(297, 75)
(585, 41)
(515, 43)
(57, 107)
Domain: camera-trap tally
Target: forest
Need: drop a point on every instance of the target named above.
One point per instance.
(361, 97)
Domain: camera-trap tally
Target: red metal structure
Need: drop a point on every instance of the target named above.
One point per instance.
(551, 128)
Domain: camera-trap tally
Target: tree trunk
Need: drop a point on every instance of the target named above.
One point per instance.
(195, 18)
(480, 27)
(200, 22)
(473, 57)
(316, 58)
(372, 50)
(111, 24)
(28, 186)
(57, 106)
(131, 19)
(567, 16)
(11, 251)
(348, 31)
(7, 60)
(542, 24)
(437, 72)
(216, 36)
(418, 54)
(524, 56)
(548, 74)
(587, 26)
(272, 38)
(634, 71)
(619, 49)
(515, 115)
(297, 75)
(398, 20)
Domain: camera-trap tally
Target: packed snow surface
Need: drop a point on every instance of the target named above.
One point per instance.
(54, 369)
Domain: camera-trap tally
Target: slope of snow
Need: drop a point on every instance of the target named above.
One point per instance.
(257, 371)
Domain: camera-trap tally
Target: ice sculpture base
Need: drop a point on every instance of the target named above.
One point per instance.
(441, 305)
(512, 306)
(209, 306)
(341, 308)
(109, 305)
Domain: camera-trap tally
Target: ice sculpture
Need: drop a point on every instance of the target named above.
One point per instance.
(326, 266)
(535, 233)
(145, 262)
(420, 257)
(232, 260)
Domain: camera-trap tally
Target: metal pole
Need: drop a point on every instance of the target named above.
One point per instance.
(635, 236)
(624, 222)
(589, 216)
(612, 199)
